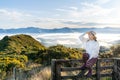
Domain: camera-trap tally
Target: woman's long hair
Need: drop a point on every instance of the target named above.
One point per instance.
(95, 38)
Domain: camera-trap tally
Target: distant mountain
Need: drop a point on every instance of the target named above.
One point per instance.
(60, 30)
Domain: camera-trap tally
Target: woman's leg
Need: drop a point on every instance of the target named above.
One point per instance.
(84, 58)
(83, 67)
(89, 65)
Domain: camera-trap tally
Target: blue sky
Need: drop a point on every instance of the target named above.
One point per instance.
(59, 13)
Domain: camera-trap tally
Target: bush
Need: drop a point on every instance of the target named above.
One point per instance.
(8, 62)
(61, 52)
(116, 50)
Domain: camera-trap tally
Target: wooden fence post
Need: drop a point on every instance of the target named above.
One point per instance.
(14, 73)
(53, 69)
(116, 70)
(98, 70)
(20, 74)
(58, 71)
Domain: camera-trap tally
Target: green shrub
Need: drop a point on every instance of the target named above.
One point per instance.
(8, 62)
(61, 52)
(116, 50)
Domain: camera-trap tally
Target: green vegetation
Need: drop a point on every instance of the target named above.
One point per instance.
(106, 54)
(116, 50)
(61, 52)
(8, 62)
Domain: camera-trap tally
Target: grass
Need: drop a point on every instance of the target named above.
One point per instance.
(44, 74)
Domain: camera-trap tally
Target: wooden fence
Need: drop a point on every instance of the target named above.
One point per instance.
(104, 67)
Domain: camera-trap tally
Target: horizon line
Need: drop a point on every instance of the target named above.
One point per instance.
(57, 27)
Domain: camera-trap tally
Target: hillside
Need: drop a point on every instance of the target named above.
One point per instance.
(20, 44)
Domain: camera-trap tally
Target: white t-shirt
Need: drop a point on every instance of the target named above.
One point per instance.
(91, 46)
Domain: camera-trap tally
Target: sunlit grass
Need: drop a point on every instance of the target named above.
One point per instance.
(44, 74)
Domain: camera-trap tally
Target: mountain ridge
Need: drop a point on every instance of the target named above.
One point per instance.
(60, 30)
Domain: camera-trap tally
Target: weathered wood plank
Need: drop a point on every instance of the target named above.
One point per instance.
(98, 70)
(78, 68)
(70, 68)
(72, 77)
(106, 67)
(106, 75)
(53, 69)
(68, 60)
(58, 71)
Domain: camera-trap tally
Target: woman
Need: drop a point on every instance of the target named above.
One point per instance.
(91, 47)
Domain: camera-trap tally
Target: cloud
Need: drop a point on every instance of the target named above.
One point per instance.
(81, 23)
(13, 15)
(89, 24)
(45, 20)
(87, 12)
(60, 9)
(74, 8)
(14, 19)
(92, 10)
(102, 1)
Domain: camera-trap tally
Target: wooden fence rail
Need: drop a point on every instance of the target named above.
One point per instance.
(110, 65)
